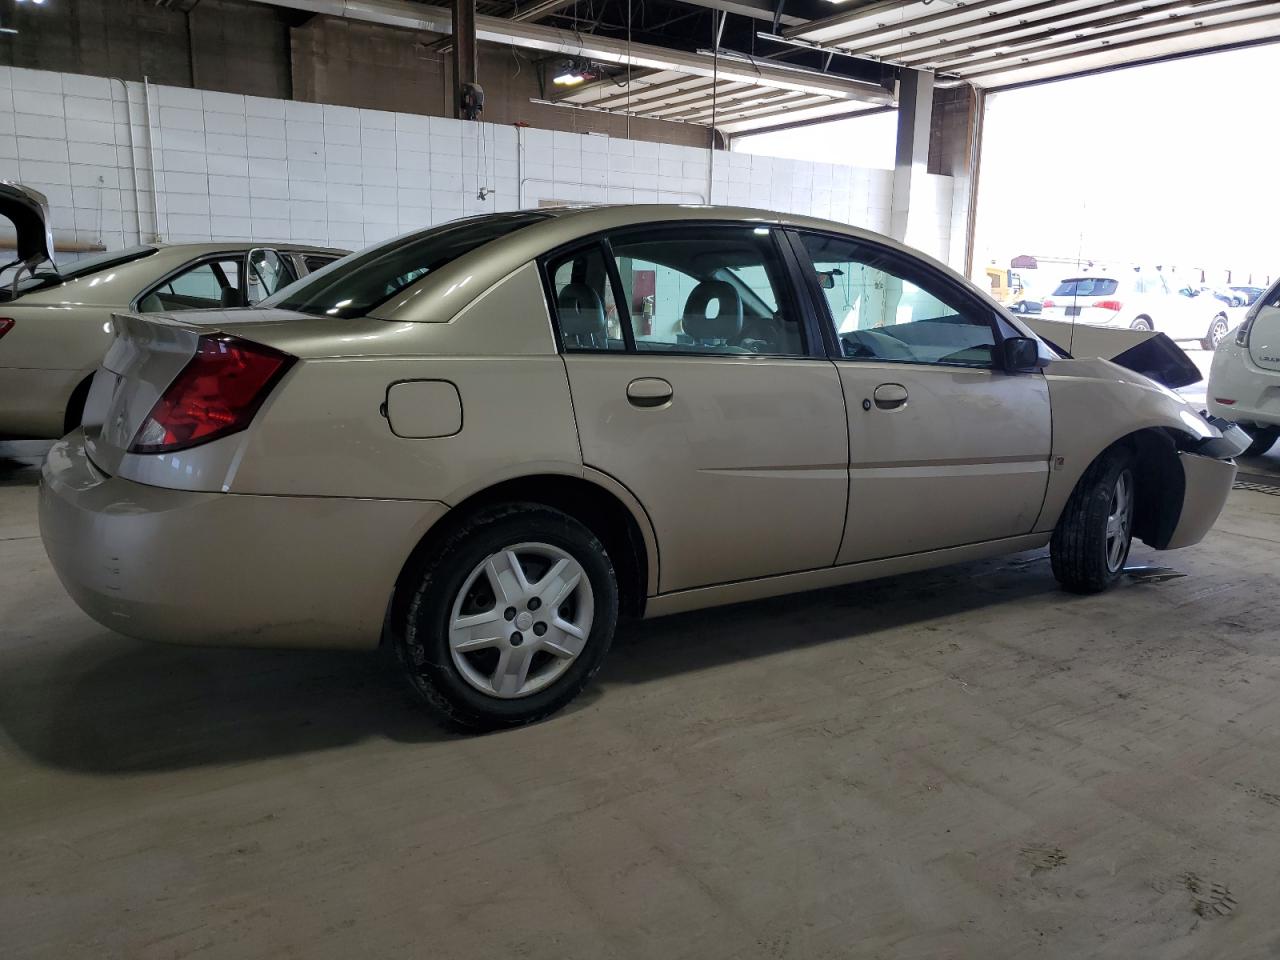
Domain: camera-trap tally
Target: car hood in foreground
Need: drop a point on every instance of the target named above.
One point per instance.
(1147, 352)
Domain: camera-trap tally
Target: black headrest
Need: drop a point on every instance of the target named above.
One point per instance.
(726, 324)
(581, 313)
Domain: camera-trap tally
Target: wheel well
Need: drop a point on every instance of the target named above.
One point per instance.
(75, 405)
(1160, 483)
(594, 507)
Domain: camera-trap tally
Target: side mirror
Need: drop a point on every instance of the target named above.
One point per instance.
(1021, 355)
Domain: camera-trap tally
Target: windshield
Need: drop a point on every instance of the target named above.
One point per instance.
(353, 286)
(43, 279)
(1086, 287)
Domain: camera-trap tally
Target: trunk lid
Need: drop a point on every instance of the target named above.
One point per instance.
(28, 211)
(1264, 338)
(145, 356)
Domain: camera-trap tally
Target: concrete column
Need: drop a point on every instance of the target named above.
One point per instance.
(915, 113)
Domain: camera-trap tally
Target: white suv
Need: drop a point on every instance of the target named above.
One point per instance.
(1142, 300)
(1244, 381)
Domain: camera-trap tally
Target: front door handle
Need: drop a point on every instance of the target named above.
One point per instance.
(649, 392)
(890, 396)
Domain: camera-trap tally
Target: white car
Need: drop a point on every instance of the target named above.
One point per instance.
(1139, 300)
(1244, 380)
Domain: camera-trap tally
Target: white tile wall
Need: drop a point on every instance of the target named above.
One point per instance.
(203, 165)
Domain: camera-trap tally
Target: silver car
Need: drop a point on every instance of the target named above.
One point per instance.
(55, 323)
(483, 443)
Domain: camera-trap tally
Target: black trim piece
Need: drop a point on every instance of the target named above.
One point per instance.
(619, 294)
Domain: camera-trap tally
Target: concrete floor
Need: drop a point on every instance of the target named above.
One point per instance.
(964, 763)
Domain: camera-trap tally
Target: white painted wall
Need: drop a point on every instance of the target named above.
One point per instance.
(229, 167)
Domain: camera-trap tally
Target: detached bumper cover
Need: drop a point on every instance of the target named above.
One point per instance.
(1206, 483)
(224, 569)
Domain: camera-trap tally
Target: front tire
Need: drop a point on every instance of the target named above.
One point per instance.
(1263, 438)
(1217, 332)
(510, 619)
(1091, 542)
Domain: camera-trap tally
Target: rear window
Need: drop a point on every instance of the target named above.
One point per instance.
(1086, 287)
(84, 267)
(353, 286)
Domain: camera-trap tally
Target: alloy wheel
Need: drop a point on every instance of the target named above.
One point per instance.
(1218, 331)
(1119, 520)
(520, 619)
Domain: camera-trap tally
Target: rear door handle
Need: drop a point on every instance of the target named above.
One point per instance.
(649, 392)
(890, 396)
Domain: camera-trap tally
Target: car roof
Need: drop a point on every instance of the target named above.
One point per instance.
(565, 225)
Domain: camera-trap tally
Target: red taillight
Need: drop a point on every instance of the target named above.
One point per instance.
(1224, 401)
(217, 393)
(6, 325)
(1046, 304)
(1112, 305)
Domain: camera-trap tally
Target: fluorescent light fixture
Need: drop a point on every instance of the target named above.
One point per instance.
(569, 78)
(38, 3)
(7, 30)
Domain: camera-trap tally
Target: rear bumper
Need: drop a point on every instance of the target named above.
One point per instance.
(1256, 392)
(224, 569)
(1206, 484)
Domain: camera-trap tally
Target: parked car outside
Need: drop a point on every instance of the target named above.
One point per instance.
(1140, 300)
(1244, 378)
(55, 324)
(1249, 294)
(484, 442)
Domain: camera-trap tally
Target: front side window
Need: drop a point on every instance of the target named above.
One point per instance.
(354, 285)
(585, 308)
(204, 286)
(884, 308)
(714, 289)
(268, 272)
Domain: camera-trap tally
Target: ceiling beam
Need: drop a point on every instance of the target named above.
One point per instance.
(1009, 66)
(532, 36)
(846, 25)
(1054, 40)
(899, 47)
(641, 95)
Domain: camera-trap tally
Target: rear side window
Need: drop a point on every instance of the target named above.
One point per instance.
(1087, 287)
(203, 286)
(314, 261)
(357, 284)
(714, 289)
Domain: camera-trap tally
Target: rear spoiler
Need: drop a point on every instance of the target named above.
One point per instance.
(1147, 352)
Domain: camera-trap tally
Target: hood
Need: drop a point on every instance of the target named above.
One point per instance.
(28, 210)
(1147, 352)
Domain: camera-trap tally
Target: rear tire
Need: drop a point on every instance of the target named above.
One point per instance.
(1217, 332)
(510, 618)
(1142, 323)
(1263, 438)
(1091, 542)
(74, 415)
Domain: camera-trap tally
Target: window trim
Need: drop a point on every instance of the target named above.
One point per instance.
(790, 296)
(241, 255)
(920, 268)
